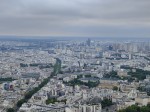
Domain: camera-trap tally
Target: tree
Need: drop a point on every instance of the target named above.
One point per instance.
(115, 88)
(106, 102)
(10, 110)
(145, 109)
(135, 108)
(20, 102)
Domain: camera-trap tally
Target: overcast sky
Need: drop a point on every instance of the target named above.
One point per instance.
(92, 18)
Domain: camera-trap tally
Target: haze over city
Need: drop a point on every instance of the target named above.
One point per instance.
(75, 18)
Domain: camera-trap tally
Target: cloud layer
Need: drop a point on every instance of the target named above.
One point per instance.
(95, 18)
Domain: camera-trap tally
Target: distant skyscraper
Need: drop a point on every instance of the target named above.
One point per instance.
(110, 47)
(88, 42)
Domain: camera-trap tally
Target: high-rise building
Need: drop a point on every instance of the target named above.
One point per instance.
(88, 42)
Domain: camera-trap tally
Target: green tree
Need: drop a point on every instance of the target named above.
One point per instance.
(10, 110)
(145, 109)
(132, 109)
(106, 102)
(115, 88)
(20, 102)
(135, 108)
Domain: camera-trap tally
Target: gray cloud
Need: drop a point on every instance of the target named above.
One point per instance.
(115, 18)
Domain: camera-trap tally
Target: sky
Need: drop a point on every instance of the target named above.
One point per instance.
(72, 18)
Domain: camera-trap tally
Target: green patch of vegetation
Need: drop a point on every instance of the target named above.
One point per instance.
(115, 88)
(6, 79)
(20, 102)
(34, 65)
(125, 67)
(45, 66)
(54, 100)
(139, 74)
(135, 108)
(10, 110)
(88, 75)
(57, 66)
(148, 59)
(78, 82)
(106, 103)
(23, 65)
(112, 75)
